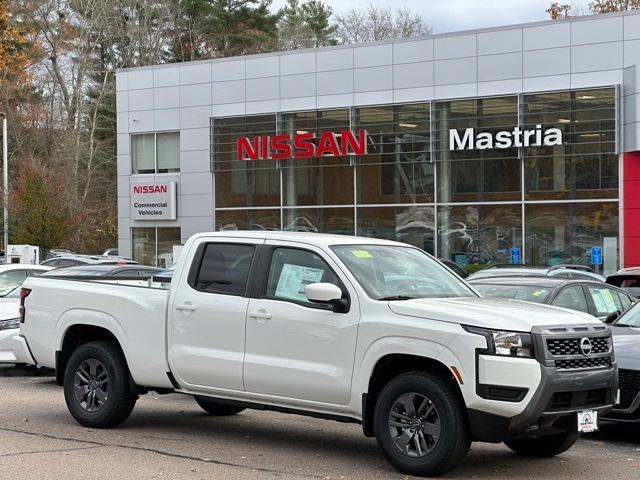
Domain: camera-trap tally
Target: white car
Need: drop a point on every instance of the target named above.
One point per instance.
(11, 278)
(347, 328)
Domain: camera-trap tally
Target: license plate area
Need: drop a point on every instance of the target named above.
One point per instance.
(587, 421)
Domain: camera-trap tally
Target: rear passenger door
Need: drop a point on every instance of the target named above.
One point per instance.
(573, 298)
(207, 315)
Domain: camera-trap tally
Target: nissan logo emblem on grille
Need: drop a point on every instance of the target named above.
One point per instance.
(585, 346)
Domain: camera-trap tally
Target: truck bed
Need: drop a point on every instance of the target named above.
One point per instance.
(135, 311)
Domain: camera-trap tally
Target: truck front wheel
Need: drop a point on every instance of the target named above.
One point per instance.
(420, 424)
(541, 447)
(216, 408)
(96, 385)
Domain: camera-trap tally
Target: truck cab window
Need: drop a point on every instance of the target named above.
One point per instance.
(293, 269)
(224, 269)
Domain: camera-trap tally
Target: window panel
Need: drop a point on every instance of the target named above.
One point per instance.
(291, 270)
(249, 219)
(572, 298)
(413, 225)
(565, 233)
(479, 234)
(168, 148)
(143, 153)
(321, 220)
(224, 269)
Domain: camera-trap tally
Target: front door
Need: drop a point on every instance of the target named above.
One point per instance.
(294, 348)
(206, 344)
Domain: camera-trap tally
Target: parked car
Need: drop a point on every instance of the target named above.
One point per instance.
(626, 340)
(357, 329)
(12, 277)
(64, 261)
(560, 271)
(595, 298)
(109, 270)
(57, 252)
(627, 279)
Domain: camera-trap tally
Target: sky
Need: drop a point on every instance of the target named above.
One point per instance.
(453, 15)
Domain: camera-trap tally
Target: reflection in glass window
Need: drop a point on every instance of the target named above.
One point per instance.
(586, 165)
(155, 152)
(479, 234)
(413, 225)
(154, 246)
(565, 233)
(250, 219)
(321, 220)
(476, 175)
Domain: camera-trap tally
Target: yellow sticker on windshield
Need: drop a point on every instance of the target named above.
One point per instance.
(361, 254)
(537, 293)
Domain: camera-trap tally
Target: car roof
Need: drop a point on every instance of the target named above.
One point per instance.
(22, 266)
(94, 259)
(533, 281)
(627, 271)
(325, 239)
(108, 267)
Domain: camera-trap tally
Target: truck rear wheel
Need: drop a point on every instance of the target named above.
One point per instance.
(541, 447)
(216, 408)
(96, 386)
(420, 424)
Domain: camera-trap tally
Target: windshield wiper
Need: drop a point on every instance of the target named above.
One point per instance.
(395, 297)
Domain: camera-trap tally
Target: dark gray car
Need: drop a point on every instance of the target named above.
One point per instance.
(626, 341)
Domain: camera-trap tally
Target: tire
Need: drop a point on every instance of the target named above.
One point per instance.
(543, 447)
(440, 438)
(216, 408)
(96, 385)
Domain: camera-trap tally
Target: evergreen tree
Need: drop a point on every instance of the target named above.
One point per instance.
(305, 25)
(239, 27)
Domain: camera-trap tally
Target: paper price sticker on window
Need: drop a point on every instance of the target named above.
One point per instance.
(361, 254)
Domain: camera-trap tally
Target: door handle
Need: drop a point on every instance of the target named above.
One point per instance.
(186, 307)
(260, 315)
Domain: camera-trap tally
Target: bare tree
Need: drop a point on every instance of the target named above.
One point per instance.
(377, 23)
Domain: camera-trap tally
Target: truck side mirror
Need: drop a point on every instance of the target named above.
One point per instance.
(612, 317)
(326, 293)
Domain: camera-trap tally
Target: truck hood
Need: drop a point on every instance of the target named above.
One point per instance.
(9, 308)
(495, 313)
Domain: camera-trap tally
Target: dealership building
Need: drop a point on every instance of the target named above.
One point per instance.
(517, 144)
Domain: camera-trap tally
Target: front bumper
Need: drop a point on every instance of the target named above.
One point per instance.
(553, 407)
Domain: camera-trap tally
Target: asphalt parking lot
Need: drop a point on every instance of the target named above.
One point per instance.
(170, 437)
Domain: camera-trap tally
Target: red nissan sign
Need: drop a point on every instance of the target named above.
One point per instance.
(302, 145)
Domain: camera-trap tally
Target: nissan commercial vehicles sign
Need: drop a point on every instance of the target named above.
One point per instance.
(153, 201)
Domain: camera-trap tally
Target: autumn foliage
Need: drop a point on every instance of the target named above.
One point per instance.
(562, 10)
(39, 212)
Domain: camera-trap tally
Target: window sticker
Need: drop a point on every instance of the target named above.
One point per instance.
(293, 279)
(361, 254)
(537, 293)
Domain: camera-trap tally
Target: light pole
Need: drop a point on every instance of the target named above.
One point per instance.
(5, 184)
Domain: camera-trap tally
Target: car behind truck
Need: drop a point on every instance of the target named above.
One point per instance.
(347, 328)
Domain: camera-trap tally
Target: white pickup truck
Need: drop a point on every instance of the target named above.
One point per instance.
(345, 328)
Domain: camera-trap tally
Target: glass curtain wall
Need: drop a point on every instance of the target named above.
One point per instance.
(551, 204)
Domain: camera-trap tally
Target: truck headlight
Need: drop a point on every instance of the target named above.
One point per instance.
(9, 324)
(510, 344)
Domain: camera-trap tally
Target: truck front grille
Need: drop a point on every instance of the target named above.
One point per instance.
(571, 346)
(629, 382)
(577, 348)
(578, 363)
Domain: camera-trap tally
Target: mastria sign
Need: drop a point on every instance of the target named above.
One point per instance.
(302, 145)
(518, 137)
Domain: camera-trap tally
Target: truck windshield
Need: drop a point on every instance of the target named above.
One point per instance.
(389, 272)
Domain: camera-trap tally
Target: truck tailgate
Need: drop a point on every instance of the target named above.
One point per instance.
(135, 315)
